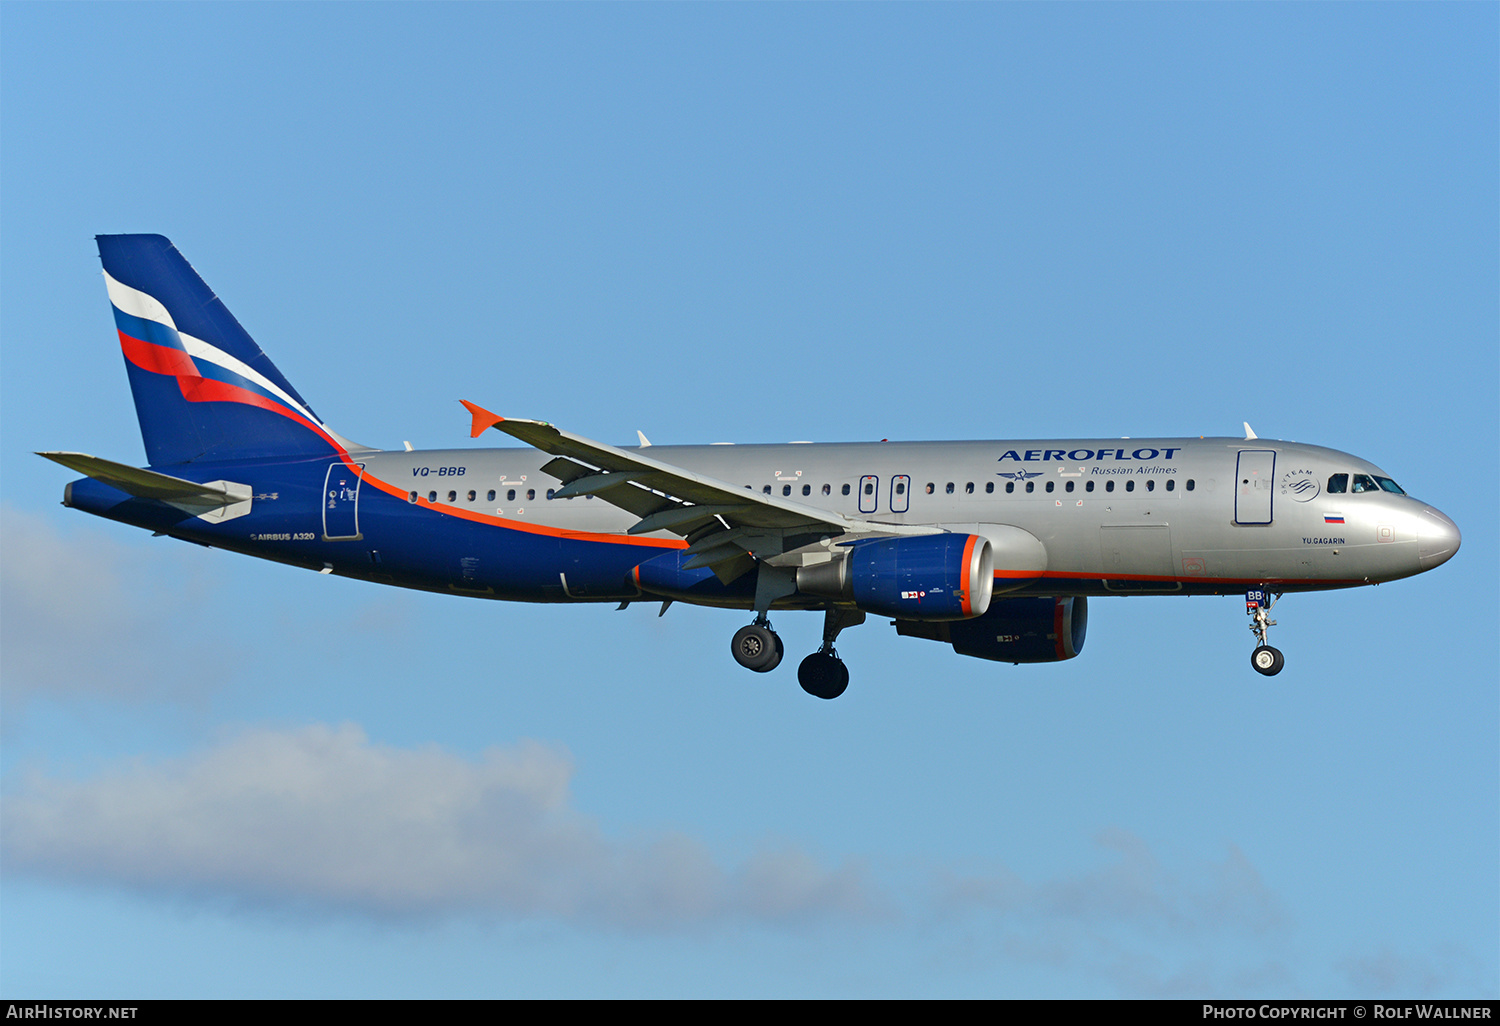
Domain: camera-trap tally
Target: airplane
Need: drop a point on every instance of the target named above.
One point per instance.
(991, 547)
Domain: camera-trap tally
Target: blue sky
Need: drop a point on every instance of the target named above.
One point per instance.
(753, 223)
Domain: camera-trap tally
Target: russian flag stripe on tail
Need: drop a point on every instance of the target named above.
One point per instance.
(203, 389)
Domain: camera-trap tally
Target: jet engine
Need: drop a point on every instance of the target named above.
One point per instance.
(1014, 630)
(926, 578)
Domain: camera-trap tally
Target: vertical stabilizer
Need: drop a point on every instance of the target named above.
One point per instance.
(203, 389)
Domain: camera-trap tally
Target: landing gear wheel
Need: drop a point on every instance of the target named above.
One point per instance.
(1267, 660)
(757, 648)
(823, 675)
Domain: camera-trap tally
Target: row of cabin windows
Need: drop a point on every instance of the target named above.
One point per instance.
(989, 487)
(510, 495)
(1109, 485)
(1010, 486)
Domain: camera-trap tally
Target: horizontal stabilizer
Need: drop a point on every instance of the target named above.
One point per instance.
(212, 500)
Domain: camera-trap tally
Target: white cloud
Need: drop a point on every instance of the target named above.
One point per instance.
(1149, 930)
(322, 818)
(1388, 973)
(82, 616)
(1135, 888)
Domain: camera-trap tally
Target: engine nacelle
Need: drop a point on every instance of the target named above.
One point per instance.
(1015, 630)
(929, 577)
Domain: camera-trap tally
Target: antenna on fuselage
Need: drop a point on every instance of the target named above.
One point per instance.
(1249, 434)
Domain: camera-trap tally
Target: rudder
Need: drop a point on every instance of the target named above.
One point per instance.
(203, 389)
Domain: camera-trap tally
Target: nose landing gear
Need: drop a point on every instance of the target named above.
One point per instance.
(1265, 659)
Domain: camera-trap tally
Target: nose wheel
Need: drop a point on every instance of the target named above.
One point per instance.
(1265, 659)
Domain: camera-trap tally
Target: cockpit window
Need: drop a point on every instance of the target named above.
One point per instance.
(1338, 483)
(1387, 485)
(1365, 483)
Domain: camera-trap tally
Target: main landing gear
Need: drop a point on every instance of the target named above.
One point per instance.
(1265, 659)
(823, 674)
(757, 647)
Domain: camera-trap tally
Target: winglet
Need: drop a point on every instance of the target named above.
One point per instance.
(483, 419)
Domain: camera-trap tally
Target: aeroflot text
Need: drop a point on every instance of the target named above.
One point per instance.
(1082, 455)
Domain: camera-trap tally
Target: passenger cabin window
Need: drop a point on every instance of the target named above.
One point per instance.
(510, 495)
(1190, 484)
(1338, 484)
(1010, 486)
(989, 487)
(786, 489)
(766, 490)
(931, 487)
(530, 494)
(1170, 484)
(432, 496)
(472, 496)
(807, 489)
(1031, 486)
(452, 496)
(1109, 486)
(949, 489)
(1150, 485)
(1068, 487)
(412, 497)
(1130, 486)
(1051, 485)
(491, 495)
(1088, 487)
(827, 490)
(869, 488)
(969, 488)
(846, 490)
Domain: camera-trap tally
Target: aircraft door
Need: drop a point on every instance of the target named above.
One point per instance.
(869, 493)
(341, 502)
(900, 493)
(1252, 486)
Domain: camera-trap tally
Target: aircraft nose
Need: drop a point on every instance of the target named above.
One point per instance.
(1437, 538)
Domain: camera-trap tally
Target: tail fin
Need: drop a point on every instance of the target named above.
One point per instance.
(203, 389)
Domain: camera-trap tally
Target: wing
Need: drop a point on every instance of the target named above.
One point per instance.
(725, 524)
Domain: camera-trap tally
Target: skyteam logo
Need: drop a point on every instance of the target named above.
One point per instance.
(1299, 485)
